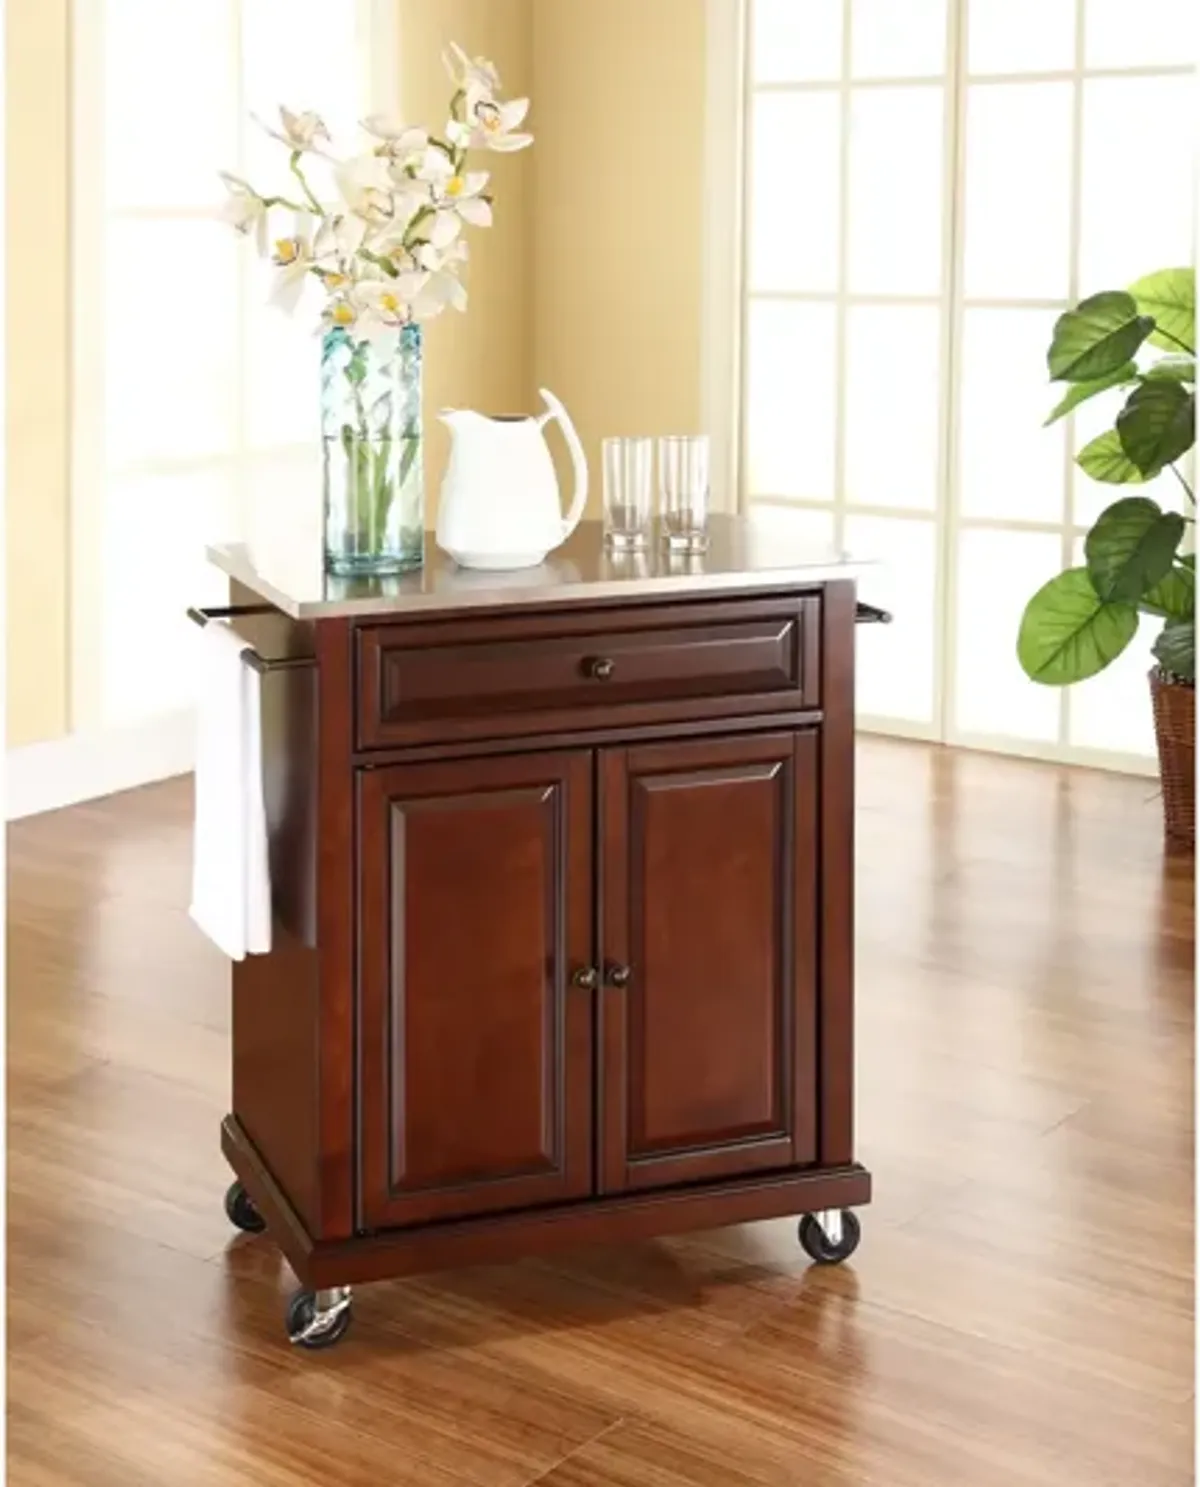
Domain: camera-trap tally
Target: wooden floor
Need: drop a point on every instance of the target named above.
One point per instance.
(1020, 1311)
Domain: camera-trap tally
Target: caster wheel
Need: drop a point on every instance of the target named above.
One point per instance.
(309, 1328)
(815, 1242)
(240, 1212)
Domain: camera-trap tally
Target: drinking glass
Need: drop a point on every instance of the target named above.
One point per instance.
(683, 487)
(628, 493)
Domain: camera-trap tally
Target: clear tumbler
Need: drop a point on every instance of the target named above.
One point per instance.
(683, 492)
(628, 493)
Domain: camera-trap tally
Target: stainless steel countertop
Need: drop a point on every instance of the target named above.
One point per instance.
(745, 554)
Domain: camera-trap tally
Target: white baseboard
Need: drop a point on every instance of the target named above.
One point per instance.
(84, 766)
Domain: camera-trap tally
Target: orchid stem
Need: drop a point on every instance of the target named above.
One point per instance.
(282, 201)
(380, 261)
(294, 167)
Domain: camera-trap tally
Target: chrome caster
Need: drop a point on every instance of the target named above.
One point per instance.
(241, 1212)
(318, 1319)
(831, 1236)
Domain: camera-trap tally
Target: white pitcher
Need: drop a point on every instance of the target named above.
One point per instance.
(500, 505)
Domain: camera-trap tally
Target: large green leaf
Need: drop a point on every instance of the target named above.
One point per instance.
(1157, 425)
(1173, 597)
(1172, 369)
(1095, 338)
(1069, 633)
(1131, 548)
(1104, 459)
(1169, 296)
(1080, 392)
(1175, 649)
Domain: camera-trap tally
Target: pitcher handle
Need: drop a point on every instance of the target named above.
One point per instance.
(578, 459)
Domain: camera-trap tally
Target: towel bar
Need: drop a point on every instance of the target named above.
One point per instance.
(871, 614)
(252, 659)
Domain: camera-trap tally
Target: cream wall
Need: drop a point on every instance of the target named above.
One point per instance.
(481, 359)
(37, 352)
(619, 112)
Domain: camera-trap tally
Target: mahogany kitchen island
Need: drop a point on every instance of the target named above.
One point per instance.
(562, 880)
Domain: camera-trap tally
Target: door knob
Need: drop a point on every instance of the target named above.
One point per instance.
(585, 978)
(617, 975)
(599, 668)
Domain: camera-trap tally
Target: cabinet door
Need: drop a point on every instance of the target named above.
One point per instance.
(475, 1045)
(708, 1013)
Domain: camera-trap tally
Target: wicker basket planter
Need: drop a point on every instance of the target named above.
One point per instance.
(1175, 730)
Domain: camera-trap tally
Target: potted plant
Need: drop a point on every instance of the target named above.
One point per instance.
(1142, 342)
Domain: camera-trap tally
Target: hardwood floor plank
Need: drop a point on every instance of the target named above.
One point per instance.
(1020, 1312)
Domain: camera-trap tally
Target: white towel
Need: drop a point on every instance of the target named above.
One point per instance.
(231, 881)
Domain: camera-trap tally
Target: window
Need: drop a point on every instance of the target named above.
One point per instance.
(190, 392)
(927, 186)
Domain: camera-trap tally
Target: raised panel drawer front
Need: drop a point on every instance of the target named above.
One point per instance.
(708, 1010)
(435, 682)
(476, 1044)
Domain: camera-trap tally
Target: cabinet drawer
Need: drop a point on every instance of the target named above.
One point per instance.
(428, 683)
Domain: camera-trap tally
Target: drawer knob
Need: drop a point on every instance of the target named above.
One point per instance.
(599, 668)
(618, 976)
(585, 978)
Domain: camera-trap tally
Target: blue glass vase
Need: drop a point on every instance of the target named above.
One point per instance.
(373, 466)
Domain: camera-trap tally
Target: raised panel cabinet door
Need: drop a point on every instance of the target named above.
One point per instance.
(475, 1079)
(708, 1010)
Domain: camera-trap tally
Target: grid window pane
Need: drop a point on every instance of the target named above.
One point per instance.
(795, 191)
(898, 40)
(1020, 35)
(998, 573)
(895, 672)
(883, 427)
(893, 393)
(1163, 33)
(797, 40)
(791, 361)
(1019, 190)
(1136, 129)
(155, 528)
(171, 339)
(895, 208)
(1009, 465)
(302, 53)
(283, 400)
(1092, 496)
(1112, 711)
(768, 522)
(168, 128)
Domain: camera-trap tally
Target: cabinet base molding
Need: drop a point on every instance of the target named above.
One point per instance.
(495, 1238)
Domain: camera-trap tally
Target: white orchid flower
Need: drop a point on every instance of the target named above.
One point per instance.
(464, 194)
(471, 73)
(434, 166)
(397, 141)
(293, 258)
(456, 197)
(391, 300)
(339, 237)
(365, 185)
(489, 126)
(303, 131)
(245, 211)
(442, 289)
(342, 313)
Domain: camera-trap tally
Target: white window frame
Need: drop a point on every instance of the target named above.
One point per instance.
(378, 27)
(727, 282)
